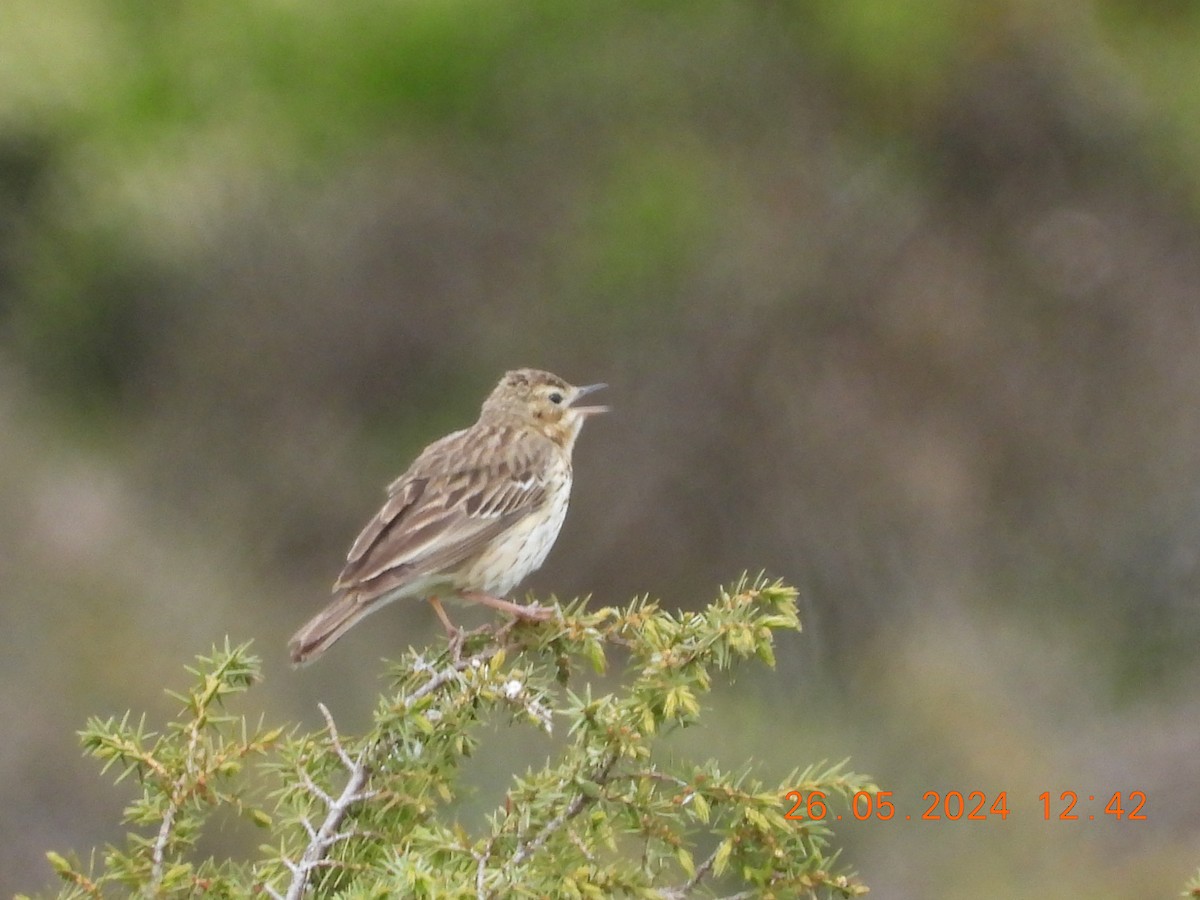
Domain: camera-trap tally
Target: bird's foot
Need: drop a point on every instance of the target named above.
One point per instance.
(530, 613)
(452, 631)
(535, 613)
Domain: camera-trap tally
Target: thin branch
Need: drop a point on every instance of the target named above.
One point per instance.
(315, 789)
(481, 870)
(328, 833)
(581, 846)
(574, 808)
(333, 737)
(160, 843)
(179, 788)
(452, 671)
(652, 775)
(690, 885)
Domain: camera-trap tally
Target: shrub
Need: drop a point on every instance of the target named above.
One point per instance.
(369, 816)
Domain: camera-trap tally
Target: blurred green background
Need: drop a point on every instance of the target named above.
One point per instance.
(900, 302)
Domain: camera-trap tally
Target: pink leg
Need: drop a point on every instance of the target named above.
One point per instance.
(530, 613)
(441, 614)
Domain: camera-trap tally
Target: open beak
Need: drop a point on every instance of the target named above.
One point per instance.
(583, 392)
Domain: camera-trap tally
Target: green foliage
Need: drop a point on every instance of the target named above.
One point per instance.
(366, 816)
(185, 772)
(1192, 888)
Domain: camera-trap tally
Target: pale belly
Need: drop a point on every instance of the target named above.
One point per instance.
(518, 552)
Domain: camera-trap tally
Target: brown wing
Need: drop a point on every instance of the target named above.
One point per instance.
(458, 495)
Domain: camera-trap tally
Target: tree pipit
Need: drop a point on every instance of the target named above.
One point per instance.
(473, 516)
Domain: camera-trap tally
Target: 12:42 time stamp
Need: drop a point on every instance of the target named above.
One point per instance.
(973, 806)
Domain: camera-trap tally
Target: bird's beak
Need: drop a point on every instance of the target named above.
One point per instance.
(583, 392)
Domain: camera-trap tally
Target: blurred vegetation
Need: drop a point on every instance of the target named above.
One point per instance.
(898, 301)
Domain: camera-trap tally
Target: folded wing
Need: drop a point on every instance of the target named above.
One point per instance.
(451, 503)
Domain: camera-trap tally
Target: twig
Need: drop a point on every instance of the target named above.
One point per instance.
(574, 808)
(328, 833)
(333, 737)
(160, 843)
(481, 870)
(690, 885)
(179, 789)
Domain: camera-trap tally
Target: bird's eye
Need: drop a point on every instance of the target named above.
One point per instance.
(556, 398)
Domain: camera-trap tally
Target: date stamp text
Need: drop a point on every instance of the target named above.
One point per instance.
(971, 806)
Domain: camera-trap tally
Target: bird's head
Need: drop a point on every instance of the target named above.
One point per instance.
(543, 401)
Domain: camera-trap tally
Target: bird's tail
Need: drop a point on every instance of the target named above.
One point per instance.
(322, 630)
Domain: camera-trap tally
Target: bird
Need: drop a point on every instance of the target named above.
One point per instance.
(474, 515)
